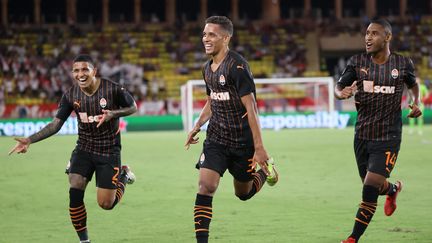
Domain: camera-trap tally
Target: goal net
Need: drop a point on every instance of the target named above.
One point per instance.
(282, 102)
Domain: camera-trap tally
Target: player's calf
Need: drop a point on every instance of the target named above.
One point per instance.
(203, 213)
(258, 181)
(78, 213)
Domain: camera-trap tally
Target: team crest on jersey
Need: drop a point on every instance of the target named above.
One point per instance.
(76, 104)
(103, 102)
(222, 79)
(395, 73)
(202, 158)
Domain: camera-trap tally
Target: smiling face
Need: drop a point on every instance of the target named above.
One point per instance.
(84, 73)
(214, 39)
(377, 38)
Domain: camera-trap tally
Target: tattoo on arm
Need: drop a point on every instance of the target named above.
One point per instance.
(125, 111)
(50, 129)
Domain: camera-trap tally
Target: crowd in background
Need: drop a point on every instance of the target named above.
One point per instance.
(29, 76)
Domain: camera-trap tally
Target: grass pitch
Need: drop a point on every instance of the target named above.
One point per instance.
(315, 200)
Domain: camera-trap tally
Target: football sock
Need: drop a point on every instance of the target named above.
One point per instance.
(119, 193)
(258, 182)
(202, 217)
(78, 212)
(388, 189)
(366, 210)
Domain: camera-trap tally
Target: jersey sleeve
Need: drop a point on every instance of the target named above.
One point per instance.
(208, 91)
(410, 79)
(349, 74)
(65, 108)
(124, 98)
(242, 78)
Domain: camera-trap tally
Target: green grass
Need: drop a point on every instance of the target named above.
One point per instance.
(314, 201)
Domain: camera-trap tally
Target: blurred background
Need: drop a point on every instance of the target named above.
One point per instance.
(296, 50)
(154, 47)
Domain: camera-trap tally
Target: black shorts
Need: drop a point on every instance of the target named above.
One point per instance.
(376, 156)
(218, 157)
(107, 167)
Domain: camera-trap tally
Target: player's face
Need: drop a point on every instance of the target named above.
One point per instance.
(84, 73)
(214, 39)
(376, 38)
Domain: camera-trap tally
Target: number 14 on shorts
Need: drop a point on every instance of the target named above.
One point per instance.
(390, 160)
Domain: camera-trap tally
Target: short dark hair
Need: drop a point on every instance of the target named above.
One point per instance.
(84, 58)
(384, 23)
(223, 21)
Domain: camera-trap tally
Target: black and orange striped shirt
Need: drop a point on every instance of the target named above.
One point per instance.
(228, 123)
(104, 140)
(379, 96)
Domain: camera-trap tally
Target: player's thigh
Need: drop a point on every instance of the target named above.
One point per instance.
(107, 171)
(213, 157)
(81, 163)
(241, 164)
(362, 156)
(383, 156)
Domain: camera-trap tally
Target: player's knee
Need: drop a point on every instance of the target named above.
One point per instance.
(77, 181)
(375, 183)
(243, 197)
(206, 188)
(107, 205)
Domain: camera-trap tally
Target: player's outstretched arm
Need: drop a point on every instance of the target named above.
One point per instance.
(50, 129)
(109, 114)
(202, 119)
(260, 155)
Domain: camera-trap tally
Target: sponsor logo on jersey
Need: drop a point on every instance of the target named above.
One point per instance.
(369, 87)
(103, 102)
(395, 73)
(365, 70)
(222, 79)
(219, 96)
(76, 104)
(384, 89)
(85, 118)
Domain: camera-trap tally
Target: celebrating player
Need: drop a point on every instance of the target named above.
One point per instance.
(98, 104)
(233, 136)
(376, 79)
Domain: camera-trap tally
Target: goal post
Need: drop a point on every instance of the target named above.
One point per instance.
(274, 96)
